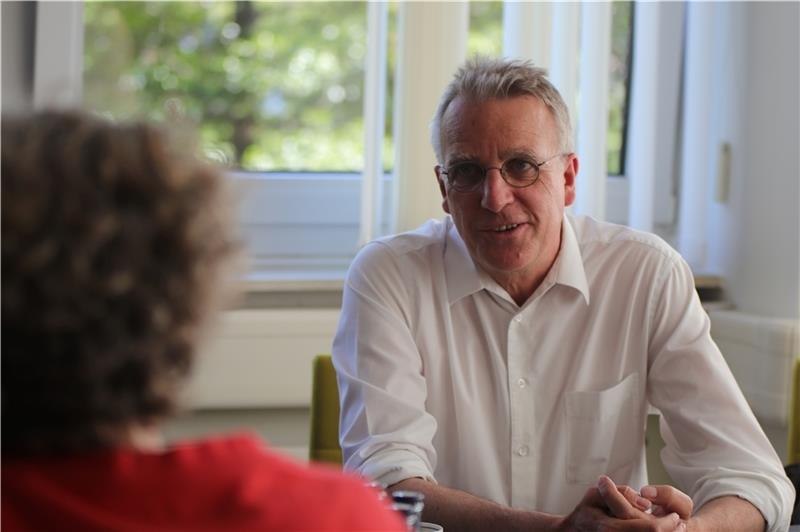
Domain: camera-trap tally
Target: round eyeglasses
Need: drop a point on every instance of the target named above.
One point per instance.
(519, 172)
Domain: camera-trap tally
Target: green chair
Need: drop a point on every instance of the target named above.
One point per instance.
(324, 445)
(654, 443)
(793, 450)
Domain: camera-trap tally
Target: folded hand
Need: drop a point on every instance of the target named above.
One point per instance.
(609, 507)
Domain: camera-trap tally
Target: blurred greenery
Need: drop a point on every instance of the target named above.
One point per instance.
(270, 86)
(485, 29)
(621, 20)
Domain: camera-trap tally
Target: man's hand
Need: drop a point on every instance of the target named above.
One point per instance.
(606, 507)
(660, 500)
(720, 514)
(667, 499)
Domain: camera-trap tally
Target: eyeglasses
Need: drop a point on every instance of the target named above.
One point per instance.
(519, 172)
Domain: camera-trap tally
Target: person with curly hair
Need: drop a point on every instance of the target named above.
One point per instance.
(115, 242)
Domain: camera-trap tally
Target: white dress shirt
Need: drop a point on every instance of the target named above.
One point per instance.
(443, 376)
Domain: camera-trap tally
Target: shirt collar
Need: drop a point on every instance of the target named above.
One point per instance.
(465, 278)
(568, 268)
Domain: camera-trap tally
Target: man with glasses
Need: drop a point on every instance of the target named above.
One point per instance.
(503, 361)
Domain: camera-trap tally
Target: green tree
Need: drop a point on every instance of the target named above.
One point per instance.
(269, 85)
(621, 20)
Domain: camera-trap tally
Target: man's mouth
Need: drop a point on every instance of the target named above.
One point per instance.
(505, 228)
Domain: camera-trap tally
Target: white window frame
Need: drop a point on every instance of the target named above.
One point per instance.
(341, 221)
(352, 208)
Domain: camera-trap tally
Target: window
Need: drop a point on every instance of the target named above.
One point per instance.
(485, 28)
(263, 98)
(276, 91)
(619, 84)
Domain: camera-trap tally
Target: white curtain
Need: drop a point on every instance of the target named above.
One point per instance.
(697, 152)
(653, 120)
(431, 44)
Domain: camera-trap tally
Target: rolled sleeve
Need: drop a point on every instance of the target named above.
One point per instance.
(714, 444)
(385, 431)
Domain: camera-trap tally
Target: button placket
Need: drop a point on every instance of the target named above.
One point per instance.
(523, 463)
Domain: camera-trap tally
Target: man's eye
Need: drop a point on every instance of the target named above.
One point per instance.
(520, 166)
(467, 172)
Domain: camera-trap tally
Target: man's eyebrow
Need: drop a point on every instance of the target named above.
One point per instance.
(510, 153)
(460, 158)
(520, 152)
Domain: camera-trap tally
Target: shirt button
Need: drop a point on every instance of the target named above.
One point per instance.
(518, 319)
(522, 382)
(523, 451)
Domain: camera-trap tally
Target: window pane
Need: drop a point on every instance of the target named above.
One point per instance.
(391, 69)
(621, 31)
(485, 29)
(270, 86)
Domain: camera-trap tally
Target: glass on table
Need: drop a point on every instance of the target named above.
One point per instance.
(410, 504)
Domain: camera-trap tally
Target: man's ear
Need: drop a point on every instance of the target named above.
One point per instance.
(570, 173)
(442, 187)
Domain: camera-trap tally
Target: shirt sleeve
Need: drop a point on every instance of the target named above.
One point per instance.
(385, 432)
(714, 444)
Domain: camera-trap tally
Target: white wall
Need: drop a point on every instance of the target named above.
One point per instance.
(17, 55)
(753, 238)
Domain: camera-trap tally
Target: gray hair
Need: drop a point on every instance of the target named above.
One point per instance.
(483, 78)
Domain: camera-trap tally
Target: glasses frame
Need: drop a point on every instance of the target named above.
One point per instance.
(485, 170)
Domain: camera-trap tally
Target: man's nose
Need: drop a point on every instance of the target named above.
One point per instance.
(496, 192)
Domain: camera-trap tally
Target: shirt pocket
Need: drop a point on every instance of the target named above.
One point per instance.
(602, 431)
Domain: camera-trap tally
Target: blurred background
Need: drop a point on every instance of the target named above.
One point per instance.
(687, 124)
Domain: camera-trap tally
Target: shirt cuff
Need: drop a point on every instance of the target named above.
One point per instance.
(394, 465)
(775, 500)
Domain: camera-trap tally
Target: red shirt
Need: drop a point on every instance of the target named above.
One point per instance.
(230, 483)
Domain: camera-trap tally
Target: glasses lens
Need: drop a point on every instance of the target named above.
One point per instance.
(465, 176)
(520, 172)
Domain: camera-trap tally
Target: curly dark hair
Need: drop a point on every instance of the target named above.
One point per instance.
(114, 241)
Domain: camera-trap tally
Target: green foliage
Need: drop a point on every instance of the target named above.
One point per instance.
(621, 19)
(268, 85)
(272, 85)
(485, 29)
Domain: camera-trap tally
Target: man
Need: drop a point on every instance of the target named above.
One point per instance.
(503, 361)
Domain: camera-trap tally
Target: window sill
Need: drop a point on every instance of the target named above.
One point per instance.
(332, 280)
(293, 281)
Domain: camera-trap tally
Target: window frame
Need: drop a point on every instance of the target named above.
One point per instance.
(59, 63)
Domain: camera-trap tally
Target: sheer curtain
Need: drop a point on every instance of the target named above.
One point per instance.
(432, 44)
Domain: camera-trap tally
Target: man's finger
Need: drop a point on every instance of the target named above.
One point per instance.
(669, 523)
(669, 498)
(634, 498)
(619, 506)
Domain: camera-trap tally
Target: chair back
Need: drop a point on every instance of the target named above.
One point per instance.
(324, 445)
(793, 450)
(653, 444)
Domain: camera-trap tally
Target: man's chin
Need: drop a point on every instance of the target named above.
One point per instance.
(504, 266)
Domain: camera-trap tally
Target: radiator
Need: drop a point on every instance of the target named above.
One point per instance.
(760, 352)
(261, 359)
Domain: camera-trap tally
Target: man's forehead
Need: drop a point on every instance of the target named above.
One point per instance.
(464, 110)
(521, 125)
